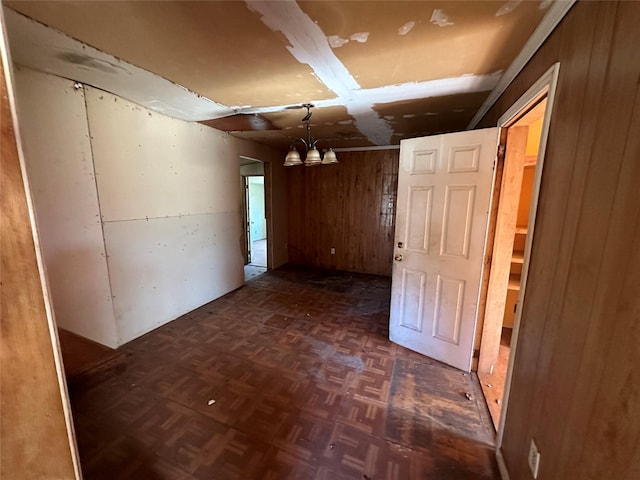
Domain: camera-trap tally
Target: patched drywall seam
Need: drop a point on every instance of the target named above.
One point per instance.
(438, 17)
(44, 48)
(307, 41)
(508, 7)
(309, 45)
(337, 41)
(360, 37)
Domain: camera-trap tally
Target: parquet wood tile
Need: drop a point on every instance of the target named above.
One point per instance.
(236, 456)
(281, 464)
(264, 419)
(339, 375)
(289, 377)
(302, 435)
(364, 414)
(353, 453)
(287, 388)
(321, 401)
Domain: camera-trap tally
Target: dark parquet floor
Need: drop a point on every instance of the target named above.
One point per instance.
(290, 377)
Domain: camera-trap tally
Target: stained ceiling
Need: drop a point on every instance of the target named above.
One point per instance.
(375, 71)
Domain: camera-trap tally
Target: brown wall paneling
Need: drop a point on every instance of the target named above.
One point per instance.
(33, 430)
(575, 380)
(350, 207)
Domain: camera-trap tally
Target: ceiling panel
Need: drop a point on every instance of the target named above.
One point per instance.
(376, 71)
(218, 49)
(397, 41)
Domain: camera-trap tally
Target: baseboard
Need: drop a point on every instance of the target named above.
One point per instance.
(502, 466)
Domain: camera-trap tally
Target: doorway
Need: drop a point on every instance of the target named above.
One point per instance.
(256, 221)
(511, 230)
(254, 218)
(523, 138)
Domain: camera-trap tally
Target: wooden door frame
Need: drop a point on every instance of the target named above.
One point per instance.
(246, 236)
(545, 86)
(268, 203)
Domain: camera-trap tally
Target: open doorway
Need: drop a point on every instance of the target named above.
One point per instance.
(256, 221)
(254, 218)
(523, 139)
(521, 152)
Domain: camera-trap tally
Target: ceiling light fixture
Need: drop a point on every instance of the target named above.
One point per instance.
(313, 155)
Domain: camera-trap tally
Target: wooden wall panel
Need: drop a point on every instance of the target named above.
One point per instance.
(349, 206)
(575, 383)
(33, 427)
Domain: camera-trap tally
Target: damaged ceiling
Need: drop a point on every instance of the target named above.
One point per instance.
(375, 71)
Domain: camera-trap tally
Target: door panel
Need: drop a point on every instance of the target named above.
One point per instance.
(458, 213)
(448, 311)
(413, 307)
(441, 224)
(419, 208)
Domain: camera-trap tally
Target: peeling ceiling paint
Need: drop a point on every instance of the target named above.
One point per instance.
(375, 71)
(406, 28)
(438, 17)
(508, 7)
(360, 37)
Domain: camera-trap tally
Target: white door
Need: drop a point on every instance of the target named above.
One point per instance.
(444, 191)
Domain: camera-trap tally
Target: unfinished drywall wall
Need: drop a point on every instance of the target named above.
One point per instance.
(138, 211)
(168, 198)
(55, 139)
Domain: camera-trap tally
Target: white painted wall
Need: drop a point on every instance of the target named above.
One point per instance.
(255, 168)
(55, 136)
(168, 193)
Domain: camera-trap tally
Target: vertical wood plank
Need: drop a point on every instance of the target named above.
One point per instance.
(345, 206)
(610, 402)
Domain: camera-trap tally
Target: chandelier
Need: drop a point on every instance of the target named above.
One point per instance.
(313, 155)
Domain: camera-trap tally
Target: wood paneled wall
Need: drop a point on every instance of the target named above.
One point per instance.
(576, 383)
(350, 207)
(33, 427)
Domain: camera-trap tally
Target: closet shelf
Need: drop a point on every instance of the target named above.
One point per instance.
(517, 257)
(514, 281)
